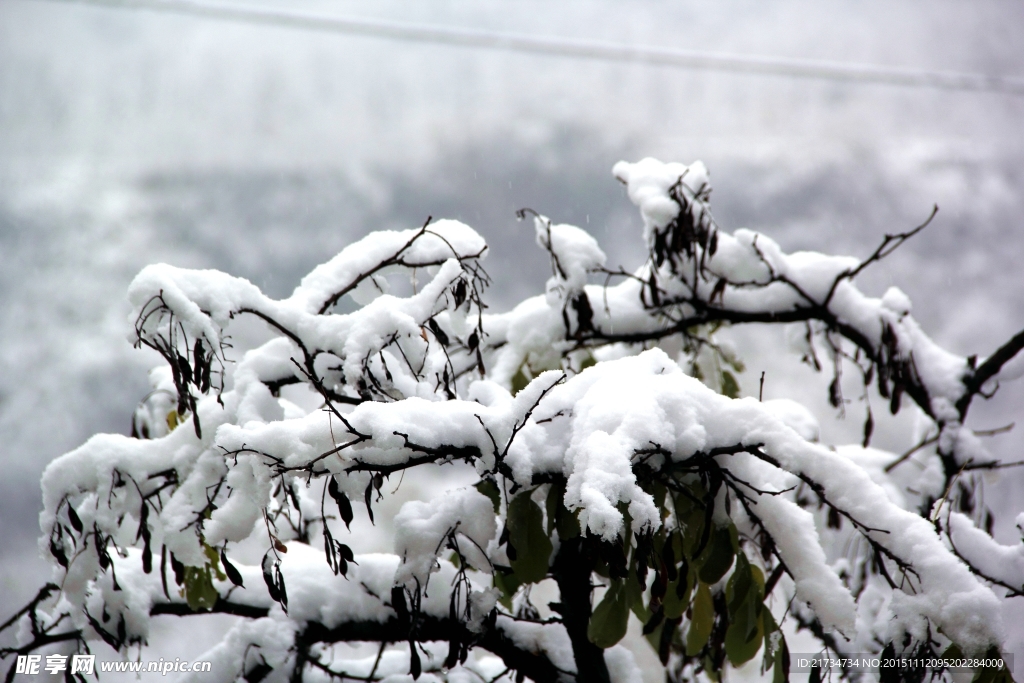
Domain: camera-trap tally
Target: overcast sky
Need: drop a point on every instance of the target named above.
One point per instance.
(129, 137)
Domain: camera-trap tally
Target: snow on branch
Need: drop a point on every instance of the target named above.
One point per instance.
(597, 458)
(698, 275)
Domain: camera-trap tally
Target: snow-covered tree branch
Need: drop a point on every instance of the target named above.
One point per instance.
(602, 425)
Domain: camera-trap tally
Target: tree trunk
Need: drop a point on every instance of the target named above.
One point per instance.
(572, 568)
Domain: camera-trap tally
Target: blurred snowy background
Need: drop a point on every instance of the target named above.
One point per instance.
(129, 137)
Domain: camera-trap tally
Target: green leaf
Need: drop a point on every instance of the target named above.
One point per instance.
(690, 516)
(214, 558)
(527, 535)
(675, 603)
(627, 519)
(560, 517)
(199, 590)
(758, 576)
(739, 584)
(701, 621)
(588, 362)
(567, 524)
(508, 584)
(719, 555)
(634, 591)
(490, 489)
(730, 387)
(608, 623)
(519, 380)
(641, 611)
(746, 580)
(658, 492)
(744, 635)
(743, 594)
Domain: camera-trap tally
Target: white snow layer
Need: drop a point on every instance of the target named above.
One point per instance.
(588, 428)
(998, 562)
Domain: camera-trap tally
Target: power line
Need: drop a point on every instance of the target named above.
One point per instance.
(578, 48)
